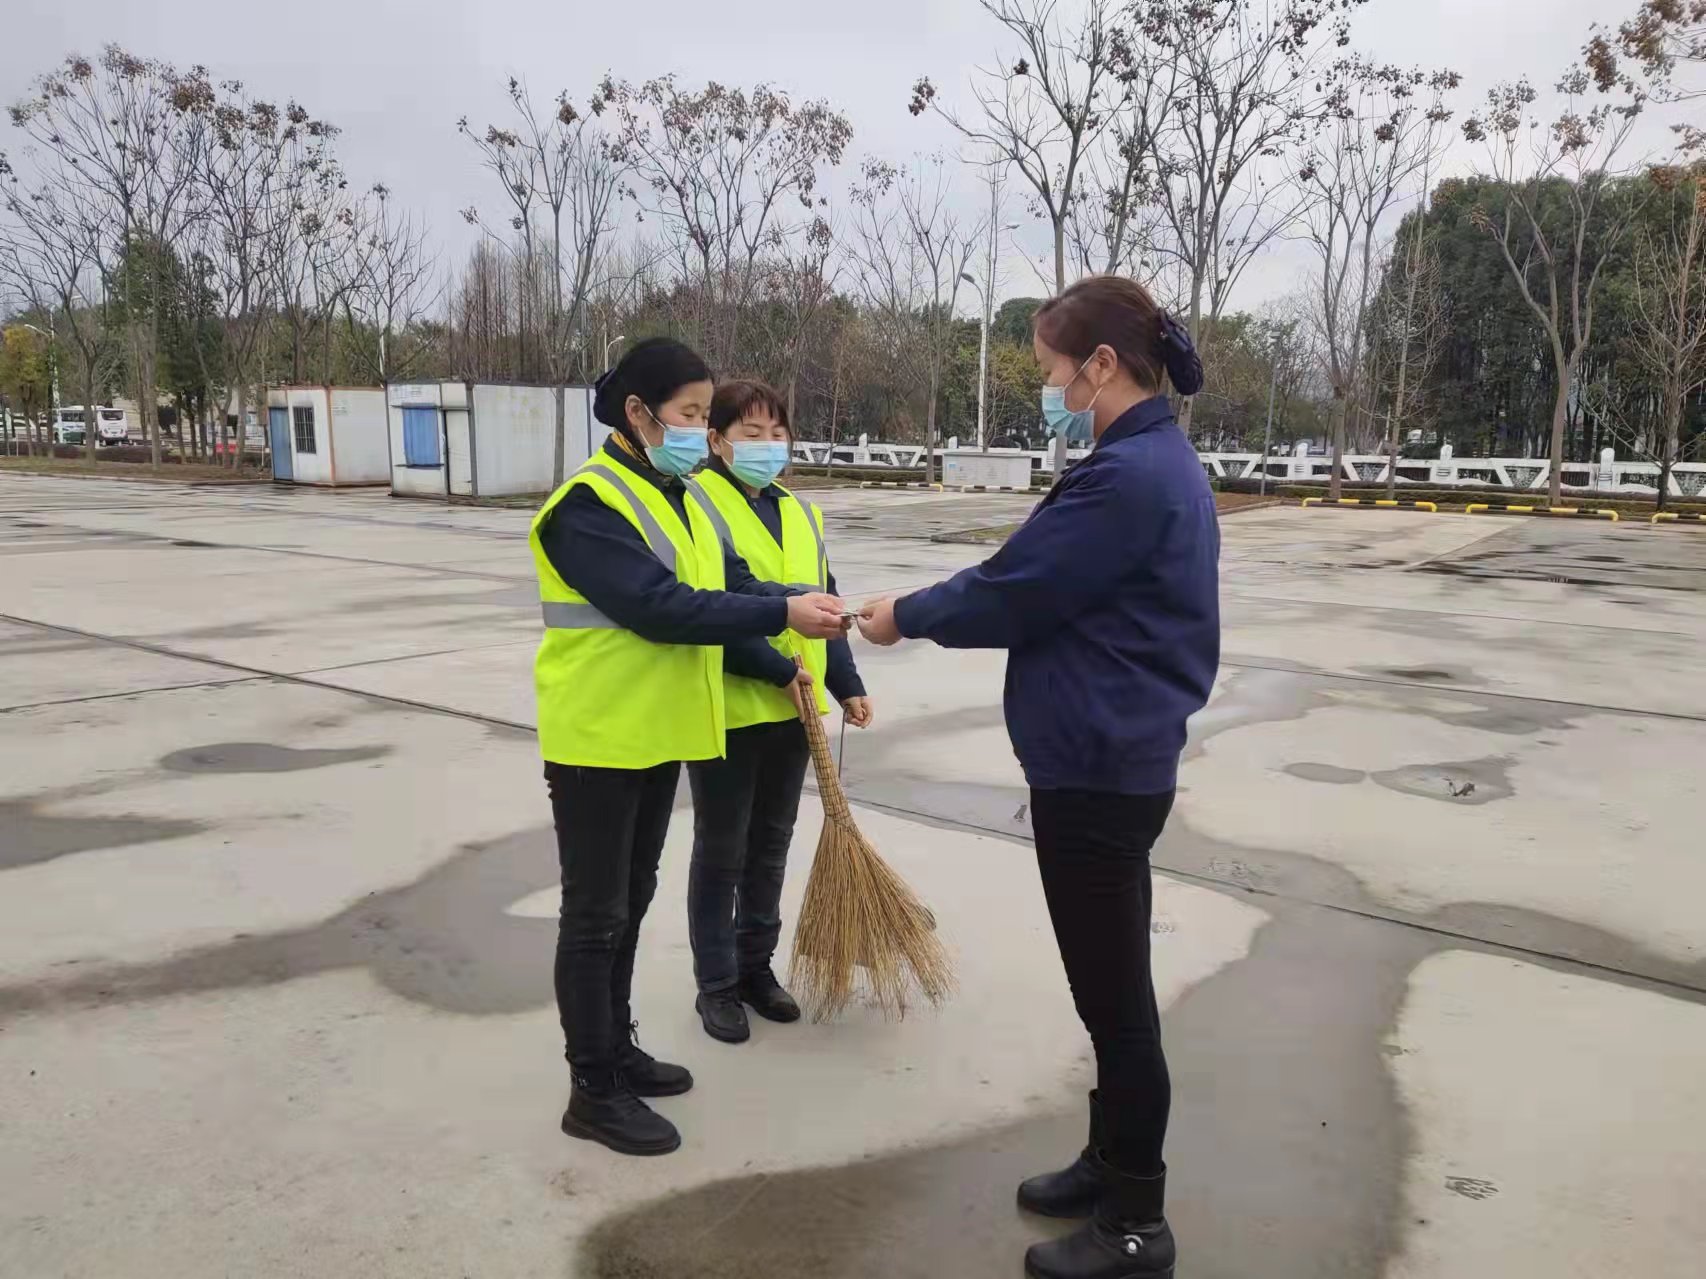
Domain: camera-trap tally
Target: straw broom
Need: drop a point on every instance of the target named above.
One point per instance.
(859, 914)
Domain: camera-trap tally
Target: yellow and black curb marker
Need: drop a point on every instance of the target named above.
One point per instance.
(1367, 501)
(1670, 517)
(1600, 512)
(897, 484)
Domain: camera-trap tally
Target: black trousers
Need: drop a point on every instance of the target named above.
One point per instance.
(611, 824)
(744, 809)
(1093, 852)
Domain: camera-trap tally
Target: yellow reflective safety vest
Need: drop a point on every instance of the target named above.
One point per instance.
(799, 561)
(607, 697)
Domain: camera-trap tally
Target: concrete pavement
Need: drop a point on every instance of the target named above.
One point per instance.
(277, 886)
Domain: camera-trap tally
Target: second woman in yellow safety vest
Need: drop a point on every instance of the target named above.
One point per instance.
(745, 804)
(640, 595)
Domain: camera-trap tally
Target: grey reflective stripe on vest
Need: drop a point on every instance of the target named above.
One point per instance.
(565, 616)
(822, 554)
(715, 515)
(655, 537)
(576, 617)
(702, 499)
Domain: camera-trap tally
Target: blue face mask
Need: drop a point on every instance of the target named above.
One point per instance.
(758, 462)
(1078, 426)
(683, 448)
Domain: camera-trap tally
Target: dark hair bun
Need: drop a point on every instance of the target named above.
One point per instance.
(1179, 354)
(654, 369)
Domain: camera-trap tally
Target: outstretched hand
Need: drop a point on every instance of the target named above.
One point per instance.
(877, 623)
(816, 616)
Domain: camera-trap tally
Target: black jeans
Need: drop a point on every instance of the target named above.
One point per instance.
(611, 824)
(1093, 851)
(744, 809)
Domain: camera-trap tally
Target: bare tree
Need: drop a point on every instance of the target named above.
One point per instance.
(1562, 220)
(1415, 327)
(1046, 111)
(120, 122)
(912, 251)
(55, 247)
(797, 284)
(561, 177)
(255, 159)
(718, 168)
(1669, 317)
(1244, 82)
(394, 286)
(1385, 126)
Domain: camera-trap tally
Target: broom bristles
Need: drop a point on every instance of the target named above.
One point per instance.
(859, 916)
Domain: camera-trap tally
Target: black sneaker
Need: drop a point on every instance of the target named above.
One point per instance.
(644, 1074)
(767, 997)
(607, 1111)
(723, 1016)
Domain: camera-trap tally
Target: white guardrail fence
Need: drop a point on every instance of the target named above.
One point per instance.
(1510, 474)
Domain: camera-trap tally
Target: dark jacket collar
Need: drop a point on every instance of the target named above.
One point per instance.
(613, 451)
(1143, 416)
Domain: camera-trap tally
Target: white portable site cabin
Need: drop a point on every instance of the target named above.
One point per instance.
(486, 439)
(330, 435)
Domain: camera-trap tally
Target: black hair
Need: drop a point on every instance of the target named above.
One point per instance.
(653, 369)
(734, 400)
(1112, 311)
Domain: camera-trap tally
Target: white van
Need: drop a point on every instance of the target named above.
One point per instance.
(71, 423)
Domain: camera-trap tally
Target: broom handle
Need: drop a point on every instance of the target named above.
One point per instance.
(823, 761)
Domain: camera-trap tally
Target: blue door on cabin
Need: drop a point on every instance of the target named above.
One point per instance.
(420, 438)
(278, 427)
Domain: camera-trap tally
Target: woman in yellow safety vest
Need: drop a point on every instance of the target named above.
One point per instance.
(639, 596)
(745, 804)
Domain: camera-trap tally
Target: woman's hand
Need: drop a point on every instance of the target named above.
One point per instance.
(877, 624)
(816, 616)
(858, 711)
(800, 692)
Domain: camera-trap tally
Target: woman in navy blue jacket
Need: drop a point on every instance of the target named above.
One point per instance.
(1107, 599)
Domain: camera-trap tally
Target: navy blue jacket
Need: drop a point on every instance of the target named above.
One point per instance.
(841, 676)
(1108, 598)
(598, 552)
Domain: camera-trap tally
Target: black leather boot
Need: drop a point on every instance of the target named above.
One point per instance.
(767, 997)
(1073, 1191)
(644, 1074)
(1128, 1238)
(723, 1016)
(605, 1110)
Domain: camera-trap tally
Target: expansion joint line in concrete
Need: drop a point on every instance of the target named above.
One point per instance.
(255, 672)
(1689, 991)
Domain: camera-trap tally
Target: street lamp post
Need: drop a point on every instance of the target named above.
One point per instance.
(611, 341)
(52, 362)
(982, 362)
(1268, 431)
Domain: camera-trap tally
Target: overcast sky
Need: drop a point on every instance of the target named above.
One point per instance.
(396, 76)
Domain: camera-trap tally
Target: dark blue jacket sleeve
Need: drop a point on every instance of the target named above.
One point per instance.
(1073, 551)
(600, 554)
(756, 659)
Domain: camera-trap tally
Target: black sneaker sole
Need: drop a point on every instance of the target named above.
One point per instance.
(586, 1132)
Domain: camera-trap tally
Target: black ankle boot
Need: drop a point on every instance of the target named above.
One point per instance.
(723, 1016)
(1128, 1238)
(765, 994)
(1073, 1191)
(644, 1074)
(605, 1110)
